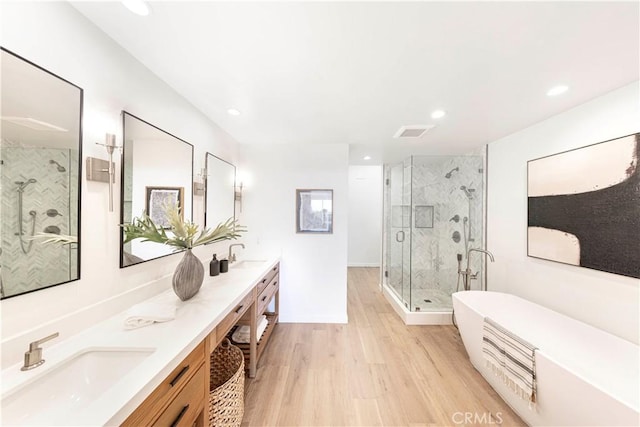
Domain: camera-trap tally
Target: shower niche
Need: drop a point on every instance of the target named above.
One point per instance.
(433, 213)
(40, 185)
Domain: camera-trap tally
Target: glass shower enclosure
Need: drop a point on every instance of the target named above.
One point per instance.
(433, 215)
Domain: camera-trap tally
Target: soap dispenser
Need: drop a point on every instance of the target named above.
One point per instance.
(214, 266)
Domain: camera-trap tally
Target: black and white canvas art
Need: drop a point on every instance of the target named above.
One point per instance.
(584, 207)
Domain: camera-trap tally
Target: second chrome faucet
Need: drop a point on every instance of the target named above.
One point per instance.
(232, 256)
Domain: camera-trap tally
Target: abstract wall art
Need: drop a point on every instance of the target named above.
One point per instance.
(584, 207)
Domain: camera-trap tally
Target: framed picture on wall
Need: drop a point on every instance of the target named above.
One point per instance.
(584, 206)
(314, 211)
(157, 201)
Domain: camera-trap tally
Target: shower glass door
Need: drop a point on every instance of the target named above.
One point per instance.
(398, 200)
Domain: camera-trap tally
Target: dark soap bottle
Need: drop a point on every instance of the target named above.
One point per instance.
(224, 265)
(214, 266)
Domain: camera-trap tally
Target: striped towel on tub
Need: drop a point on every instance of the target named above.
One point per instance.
(511, 358)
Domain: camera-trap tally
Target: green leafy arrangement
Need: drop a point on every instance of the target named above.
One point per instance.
(184, 234)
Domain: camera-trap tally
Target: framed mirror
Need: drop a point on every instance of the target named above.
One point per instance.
(157, 168)
(40, 154)
(219, 191)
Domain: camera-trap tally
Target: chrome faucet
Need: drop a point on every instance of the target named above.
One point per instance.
(467, 275)
(33, 357)
(232, 256)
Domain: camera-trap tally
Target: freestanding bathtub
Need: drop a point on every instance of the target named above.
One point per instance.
(585, 376)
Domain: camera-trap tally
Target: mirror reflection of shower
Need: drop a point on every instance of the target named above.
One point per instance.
(59, 166)
(26, 247)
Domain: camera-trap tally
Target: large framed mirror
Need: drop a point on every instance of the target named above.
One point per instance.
(156, 167)
(220, 187)
(40, 156)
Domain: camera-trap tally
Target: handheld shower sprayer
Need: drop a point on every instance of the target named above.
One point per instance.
(23, 184)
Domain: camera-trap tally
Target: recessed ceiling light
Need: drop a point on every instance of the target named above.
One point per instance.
(367, 157)
(438, 114)
(233, 112)
(557, 90)
(139, 7)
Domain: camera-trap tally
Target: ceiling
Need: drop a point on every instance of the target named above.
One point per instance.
(354, 72)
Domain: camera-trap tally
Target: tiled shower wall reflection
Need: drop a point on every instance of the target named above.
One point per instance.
(443, 202)
(44, 264)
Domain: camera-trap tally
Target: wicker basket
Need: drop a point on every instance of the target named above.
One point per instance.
(226, 395)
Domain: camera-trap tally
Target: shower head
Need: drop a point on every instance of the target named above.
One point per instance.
(22, 184)
(60, 167)
(448, 175)
(455, 218)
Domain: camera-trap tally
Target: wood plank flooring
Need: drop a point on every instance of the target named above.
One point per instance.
(374, 371)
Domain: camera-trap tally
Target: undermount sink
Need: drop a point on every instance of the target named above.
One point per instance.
(70, 386)
(248, 263)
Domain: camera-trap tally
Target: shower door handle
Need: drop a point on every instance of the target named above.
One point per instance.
(398, 234)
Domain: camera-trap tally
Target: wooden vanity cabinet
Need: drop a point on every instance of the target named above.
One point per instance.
(182, 399)
(267, 289)
(179, 400)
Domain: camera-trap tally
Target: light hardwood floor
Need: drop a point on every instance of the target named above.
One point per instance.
(374, 371)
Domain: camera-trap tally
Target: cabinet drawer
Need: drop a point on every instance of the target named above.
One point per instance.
(168, 389)
(187, 405)
(267, 293)
(232, 318)
(268, 278)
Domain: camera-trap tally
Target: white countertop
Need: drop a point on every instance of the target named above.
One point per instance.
(172, 342)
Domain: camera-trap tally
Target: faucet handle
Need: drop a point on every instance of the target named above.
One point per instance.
(34, 345)
(33, 357)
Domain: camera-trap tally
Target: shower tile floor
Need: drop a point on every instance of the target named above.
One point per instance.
(439, 300)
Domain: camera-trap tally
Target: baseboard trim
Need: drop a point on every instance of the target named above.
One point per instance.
(363, 264)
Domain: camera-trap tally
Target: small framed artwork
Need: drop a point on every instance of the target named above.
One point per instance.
(157, 201)
(424, 216)
(314, 211)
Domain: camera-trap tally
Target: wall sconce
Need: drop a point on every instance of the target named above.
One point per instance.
(198, 185)
(103, 170)
(238, 194)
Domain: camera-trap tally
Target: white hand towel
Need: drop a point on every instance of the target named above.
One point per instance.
(147, 313)
(241, 334)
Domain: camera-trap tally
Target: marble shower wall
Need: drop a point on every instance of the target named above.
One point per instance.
(439, 207)
(426, 199)
(44, 264)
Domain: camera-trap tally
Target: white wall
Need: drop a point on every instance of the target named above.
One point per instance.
(313, 281)
(56, 37)
(365, 216)
(604, 300)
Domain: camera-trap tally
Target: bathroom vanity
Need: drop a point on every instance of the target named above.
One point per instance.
(154, 375)
(182, 397)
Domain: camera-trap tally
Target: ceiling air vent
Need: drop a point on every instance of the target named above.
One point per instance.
(413, 131)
